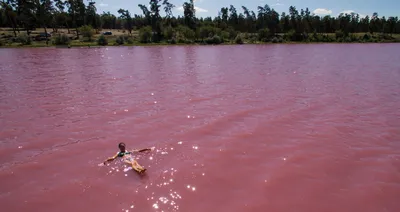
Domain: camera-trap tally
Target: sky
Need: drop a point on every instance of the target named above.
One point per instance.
(206, 8)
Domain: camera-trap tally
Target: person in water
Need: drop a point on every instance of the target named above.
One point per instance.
(127, 157)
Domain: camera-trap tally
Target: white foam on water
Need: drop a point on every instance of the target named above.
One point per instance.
(127, 169)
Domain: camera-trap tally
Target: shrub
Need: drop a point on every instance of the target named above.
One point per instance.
(330, 38)
(239, 39)
(275, 40)
(214, 40)
(318, 37)
(339, 34)
(24, 39)
(217, 39)
(367, 37)
(209, 41)
(120, 40)
(290, 36)
(186, 32)
(61, 39)
(168, 32)
(156, 37)
(172, 41)
(102, 41)
(129, 40)
(252, 39)
(224, 35)
(145, 34)
(187, 41)
(353, 38)
(232, 33)
(383, 36)
(263, 34)
(347, 40)
(205, 32)
(87, 32)
(182, 40)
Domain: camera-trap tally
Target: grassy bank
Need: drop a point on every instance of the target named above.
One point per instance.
(65, 38)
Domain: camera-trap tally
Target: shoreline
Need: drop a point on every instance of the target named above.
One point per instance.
(95, 45)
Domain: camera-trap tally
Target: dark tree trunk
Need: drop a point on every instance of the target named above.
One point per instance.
(45, 32)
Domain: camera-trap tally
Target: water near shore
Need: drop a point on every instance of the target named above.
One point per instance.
(235, 128)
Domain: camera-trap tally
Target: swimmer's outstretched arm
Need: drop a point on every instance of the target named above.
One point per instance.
(110, 158)
(141, 150)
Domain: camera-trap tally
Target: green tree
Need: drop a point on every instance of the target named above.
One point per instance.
(44, 10)
(25, 14)
(168, 8)
(391, 24)
(108, 20)
(374, 23)
(155, 6)
(233, 17)
(189, 14)
(73, 14)
(8, 11)
(126, 16)
(61, 17)
(168, 11)
(91, 15)
(146, 13)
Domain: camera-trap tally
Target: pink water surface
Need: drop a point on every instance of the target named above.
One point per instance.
(235, 128)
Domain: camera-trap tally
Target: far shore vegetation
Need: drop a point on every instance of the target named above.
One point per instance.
(39, 23)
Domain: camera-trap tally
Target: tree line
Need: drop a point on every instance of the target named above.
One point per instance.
(27, 15)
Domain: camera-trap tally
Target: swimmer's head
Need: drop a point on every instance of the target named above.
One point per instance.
(121, 146)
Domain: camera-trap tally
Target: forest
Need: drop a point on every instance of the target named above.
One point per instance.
(75, 22)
